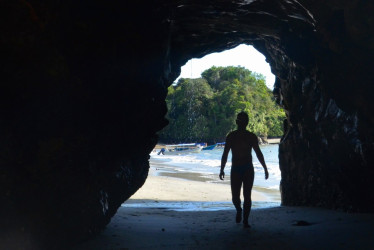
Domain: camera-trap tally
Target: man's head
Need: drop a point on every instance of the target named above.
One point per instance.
(242, 119)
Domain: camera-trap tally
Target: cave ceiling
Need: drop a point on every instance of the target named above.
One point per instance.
(199, 28)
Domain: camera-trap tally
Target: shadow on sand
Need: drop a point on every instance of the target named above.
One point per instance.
(272, 228)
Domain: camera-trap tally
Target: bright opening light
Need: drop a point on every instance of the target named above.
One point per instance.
(243, 55)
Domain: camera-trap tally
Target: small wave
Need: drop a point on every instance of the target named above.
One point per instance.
(194, 205)
(209, 163)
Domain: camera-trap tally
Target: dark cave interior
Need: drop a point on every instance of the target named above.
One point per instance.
(81, 82)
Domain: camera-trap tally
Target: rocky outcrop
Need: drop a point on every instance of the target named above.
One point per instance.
(83, 95)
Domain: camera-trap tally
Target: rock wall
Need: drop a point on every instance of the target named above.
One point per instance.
(81, 99)
(83, 87)
(326, 157)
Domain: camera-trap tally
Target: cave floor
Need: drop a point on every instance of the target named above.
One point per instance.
(272, 228)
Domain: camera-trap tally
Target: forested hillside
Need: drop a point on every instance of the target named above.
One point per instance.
(204, 109)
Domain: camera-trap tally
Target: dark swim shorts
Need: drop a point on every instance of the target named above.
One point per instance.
(241, 169)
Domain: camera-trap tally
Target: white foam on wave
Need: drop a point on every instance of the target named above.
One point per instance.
(208, 162)
(193, 205)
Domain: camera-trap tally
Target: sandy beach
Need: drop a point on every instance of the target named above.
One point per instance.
(184, 186)
(190, 211)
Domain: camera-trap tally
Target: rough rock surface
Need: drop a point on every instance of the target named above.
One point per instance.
(83, 87)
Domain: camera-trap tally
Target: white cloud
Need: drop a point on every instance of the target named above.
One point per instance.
(243, 55)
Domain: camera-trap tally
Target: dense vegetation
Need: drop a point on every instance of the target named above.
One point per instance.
(204, 109)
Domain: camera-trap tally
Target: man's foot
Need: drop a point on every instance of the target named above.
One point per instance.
(246, 225)
(238, 218)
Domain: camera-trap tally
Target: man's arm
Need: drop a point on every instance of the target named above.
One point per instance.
(260, 157)
(226, 151)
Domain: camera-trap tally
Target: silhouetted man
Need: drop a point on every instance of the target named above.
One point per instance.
(241, 142)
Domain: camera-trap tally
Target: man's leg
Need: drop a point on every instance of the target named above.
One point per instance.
(247, 192)
(236, 185)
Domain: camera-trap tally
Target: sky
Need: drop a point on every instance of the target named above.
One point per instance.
(243, 55)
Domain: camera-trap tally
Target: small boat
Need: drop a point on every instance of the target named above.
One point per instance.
(211, 147)
(179, 149)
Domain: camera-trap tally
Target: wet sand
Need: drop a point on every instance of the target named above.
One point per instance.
(165, 182)
(183, 186)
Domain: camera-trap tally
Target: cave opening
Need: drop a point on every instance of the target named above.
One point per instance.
(217, 73)
(281, 41)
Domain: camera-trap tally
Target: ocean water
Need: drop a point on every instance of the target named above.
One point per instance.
(183, 206)
(207, 164)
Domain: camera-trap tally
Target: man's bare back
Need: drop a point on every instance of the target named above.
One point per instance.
(241, 142)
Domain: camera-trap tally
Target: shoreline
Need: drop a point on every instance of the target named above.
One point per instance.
(168, 188)
(165, 183)
(275, 140)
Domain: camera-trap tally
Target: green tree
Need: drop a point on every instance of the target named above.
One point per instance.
(205, 109)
